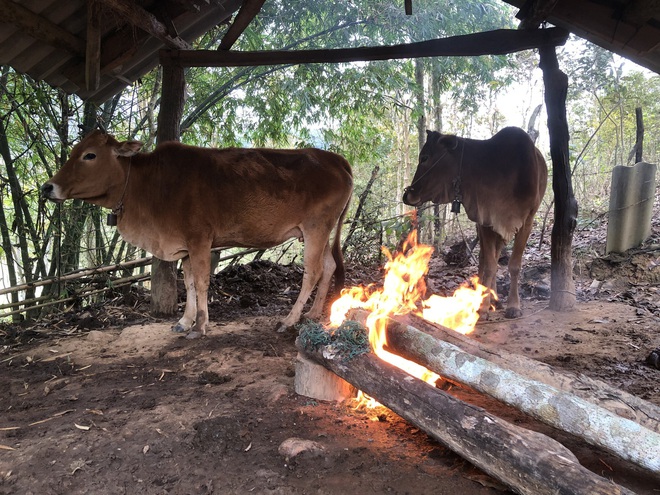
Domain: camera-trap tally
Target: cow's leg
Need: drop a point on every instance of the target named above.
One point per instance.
(188, 318)
(313, 259)
(329, 266)
(515, 264)
(200, 263)
(489, 242)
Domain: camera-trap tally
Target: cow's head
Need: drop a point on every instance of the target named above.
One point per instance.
(93, 172)
(436, 171)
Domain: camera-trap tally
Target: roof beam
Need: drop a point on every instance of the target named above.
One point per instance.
(142, 19)
(534, 12)
(40, 28)
(248, 12)
(93, 53)
(496, 42)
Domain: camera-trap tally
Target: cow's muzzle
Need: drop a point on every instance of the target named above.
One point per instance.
(410, 197)
(48, 192)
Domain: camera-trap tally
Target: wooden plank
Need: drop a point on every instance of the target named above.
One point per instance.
(40, 28)
(496, 42)
(528, 462)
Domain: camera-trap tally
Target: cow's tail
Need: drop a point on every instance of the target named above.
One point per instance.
(340, 270)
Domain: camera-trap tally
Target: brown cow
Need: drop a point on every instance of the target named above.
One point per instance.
(179, 201)
(501, 182)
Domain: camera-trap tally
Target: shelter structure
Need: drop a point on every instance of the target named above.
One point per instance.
(95, 48)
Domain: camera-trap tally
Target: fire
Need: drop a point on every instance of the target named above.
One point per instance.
(402, 292)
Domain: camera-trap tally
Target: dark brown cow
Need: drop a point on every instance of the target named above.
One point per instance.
(180, 201)
(500, 181)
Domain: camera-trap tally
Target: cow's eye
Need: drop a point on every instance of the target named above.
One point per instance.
(89, 156)
(423, 158)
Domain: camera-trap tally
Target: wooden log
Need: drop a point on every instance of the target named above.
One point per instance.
(496, 42)
(599, 393)
(563, 410)
(526, 461)
(317, 382)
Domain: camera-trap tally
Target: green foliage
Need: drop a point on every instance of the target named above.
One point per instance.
(603, 95)
(373, 113)
(348, 340)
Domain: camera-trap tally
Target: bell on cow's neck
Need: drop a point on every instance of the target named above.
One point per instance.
(456, 206)
(111, 219)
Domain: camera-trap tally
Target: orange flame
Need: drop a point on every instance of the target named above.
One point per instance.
(403, 291)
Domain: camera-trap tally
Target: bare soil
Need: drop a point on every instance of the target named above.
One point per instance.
(107, 400)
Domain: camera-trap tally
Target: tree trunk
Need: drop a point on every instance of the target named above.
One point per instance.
(556, 87)
(163, 281)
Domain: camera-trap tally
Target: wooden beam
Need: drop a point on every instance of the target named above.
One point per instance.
(40, 28)
(528, 462)
(142, 19)
(248, 12)
(93, 53)
(496, 42)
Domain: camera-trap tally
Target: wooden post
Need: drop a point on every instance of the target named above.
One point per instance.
(639, 135)
(163, 273)
(563, 296)
(528, 462)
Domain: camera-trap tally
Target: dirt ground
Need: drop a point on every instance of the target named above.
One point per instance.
(107, 400)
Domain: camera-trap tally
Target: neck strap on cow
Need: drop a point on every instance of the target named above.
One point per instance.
(119, 209)
(456, 184)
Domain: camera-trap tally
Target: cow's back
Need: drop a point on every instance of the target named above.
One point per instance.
(505, 180)
(240, 196)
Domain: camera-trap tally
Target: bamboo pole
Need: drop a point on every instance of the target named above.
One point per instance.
(136, 278)
(528, 462)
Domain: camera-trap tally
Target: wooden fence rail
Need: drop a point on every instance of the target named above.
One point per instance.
(39, 303)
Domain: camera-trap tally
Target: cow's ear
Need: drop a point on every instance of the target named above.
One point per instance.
(128, 148)
(433, 136)
(450, 141)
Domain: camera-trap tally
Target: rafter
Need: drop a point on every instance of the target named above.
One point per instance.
(93, 53)
(248, 12)
(40, 28)
(146, 21)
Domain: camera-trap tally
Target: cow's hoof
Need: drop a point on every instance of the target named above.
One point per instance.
(653, 359)
(179, 328)
(513, 313)
(194, 335)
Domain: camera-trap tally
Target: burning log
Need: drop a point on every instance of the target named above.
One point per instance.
(599, 393)
(559, 408)
(528, 462)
